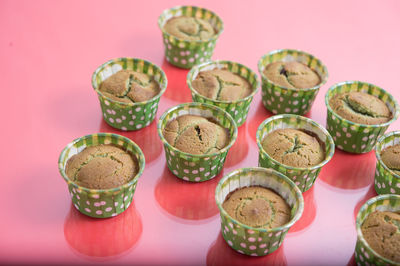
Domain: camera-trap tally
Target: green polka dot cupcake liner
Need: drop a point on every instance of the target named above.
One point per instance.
(237, 109)
(281, 100)
(184, 53)
(364, 254)
(386, 181)
(250, 240)
(350, 136)
(128, 116)
(101, 203)
(304, 178)
(193, 167)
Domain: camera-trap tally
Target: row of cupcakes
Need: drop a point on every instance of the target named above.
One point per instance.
(276, 98)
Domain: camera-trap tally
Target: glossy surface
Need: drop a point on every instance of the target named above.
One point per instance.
(48, 51)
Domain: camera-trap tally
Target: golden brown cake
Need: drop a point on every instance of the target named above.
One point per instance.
(360, 107)
(257, 207)
(292, 75)
(293, 147)
(189, 28)
(221, 84)
(381, 230)
(129, 86)
(196, 135)
(391, 158)
(101, 167)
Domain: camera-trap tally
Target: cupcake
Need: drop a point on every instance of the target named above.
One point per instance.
(228, 85)
(196, 139)
(257, 207)
(296, 146)
(129, 90)
(387, 173)
(293, 147)
(378, 237)
(358, 114)
(290, 81)
(101, 171)
(190, 34)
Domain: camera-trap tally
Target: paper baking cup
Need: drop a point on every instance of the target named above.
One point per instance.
(191, 167)
(386, 181)
(281, 100)
(304, 178)
(350, 136)
(101, 203)
(237, 109)
(364, 254)
(183, 53)
(128, 116)
(246, 239)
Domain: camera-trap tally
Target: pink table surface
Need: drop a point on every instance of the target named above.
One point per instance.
(48, 51)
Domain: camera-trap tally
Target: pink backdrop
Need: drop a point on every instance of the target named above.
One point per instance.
(48, 51)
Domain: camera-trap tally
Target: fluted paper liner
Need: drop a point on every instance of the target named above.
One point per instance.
(237, 109)
(354, 137)
(184, 53)
(101, 203)
(191, 167)
(304, 178)
(128, 116)
(246, 239)
(364, 254)
(386, 181)
(281, 100)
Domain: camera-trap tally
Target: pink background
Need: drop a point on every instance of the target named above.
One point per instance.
(48, 52)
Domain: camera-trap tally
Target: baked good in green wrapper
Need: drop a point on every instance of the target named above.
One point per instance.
(258, 207)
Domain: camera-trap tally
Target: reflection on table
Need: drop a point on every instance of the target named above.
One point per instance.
(102, 237)
(342, 174)
(239, 149)
(147, 138)
(187, 200)
(222, 254)
(308, 214)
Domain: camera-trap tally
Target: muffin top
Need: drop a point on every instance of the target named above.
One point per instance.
(189, 28)
(292, 75)
(101, 167)
(129, 86)
(360, 107)
(257, 207)
(391, 158)
(196, 135)
(221, 84)
(293, 147)
(381, 230)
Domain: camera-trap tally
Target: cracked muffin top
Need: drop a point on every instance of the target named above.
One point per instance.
(189, 28)
(101, 167)
(391, 158)
(293, 147)
(221, 84)
(129, 86)
(381, 230)
(292, 75)
(196, 135)
(257, 207)
(360, 107)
